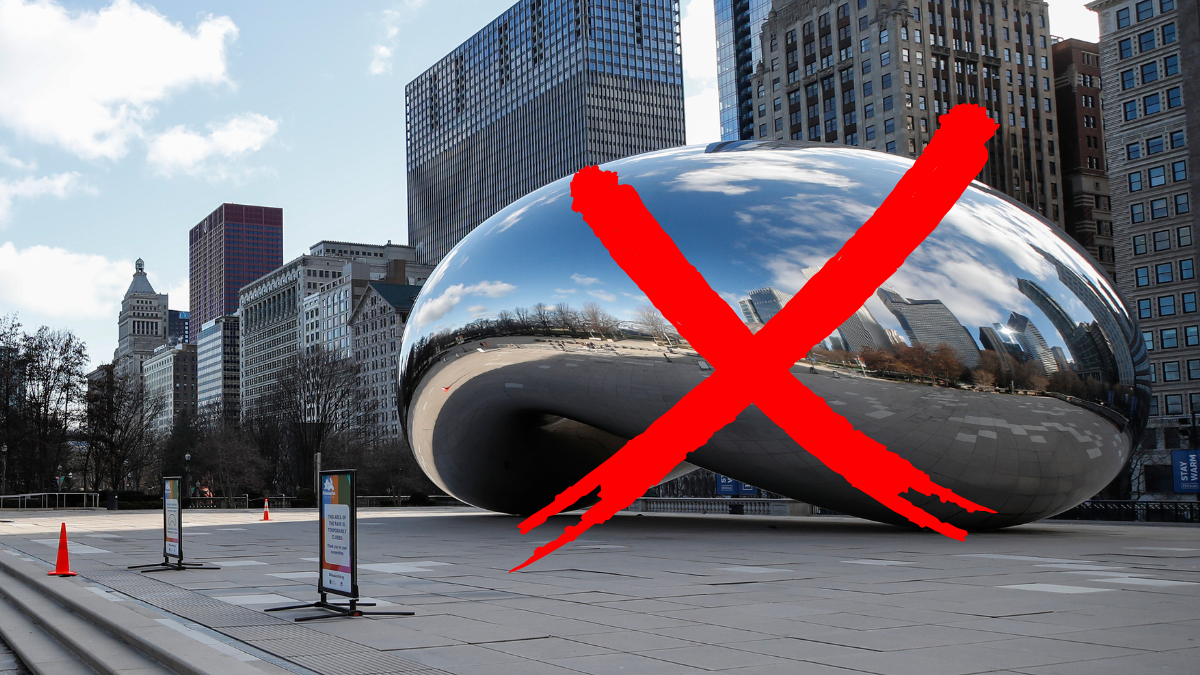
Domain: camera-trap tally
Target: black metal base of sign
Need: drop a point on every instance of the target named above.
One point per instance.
(166, 564)
(340, 611)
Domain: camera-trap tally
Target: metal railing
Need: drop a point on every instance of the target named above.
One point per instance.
(405, 500)
(717, 505)
(52, 500)
(1131, 511)
(242, 502)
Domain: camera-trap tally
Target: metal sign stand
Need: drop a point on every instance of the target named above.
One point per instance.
(337, 566)
(172, 533)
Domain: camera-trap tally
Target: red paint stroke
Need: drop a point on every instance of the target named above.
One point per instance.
(755, 369)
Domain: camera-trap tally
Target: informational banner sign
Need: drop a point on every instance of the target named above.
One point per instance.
(727, 486)
(339, 529)
(172, 532)
(1185, 465)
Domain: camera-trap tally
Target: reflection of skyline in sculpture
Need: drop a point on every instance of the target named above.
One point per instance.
(1060, 357)
(748, 312)
(1093, 298)
(931, 323)
(1092, 356)
(1033, 343)
(998, 338)
(861, 331)
(767, 302)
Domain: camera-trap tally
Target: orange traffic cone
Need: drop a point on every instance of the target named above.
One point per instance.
(63, 567)
(266, 509)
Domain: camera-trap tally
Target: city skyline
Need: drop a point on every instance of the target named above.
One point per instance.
(232, 120)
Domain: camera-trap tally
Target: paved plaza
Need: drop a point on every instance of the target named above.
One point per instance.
(659, 594)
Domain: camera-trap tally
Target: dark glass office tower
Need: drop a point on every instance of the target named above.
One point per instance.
(739, 24)
(233, 246)
(548, 88)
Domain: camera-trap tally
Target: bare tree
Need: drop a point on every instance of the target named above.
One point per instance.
(541, 315)
(320, 401)
(597, 320)
(649, 319)
(121, 441)
(564, 317)
(521, 317)
(50, 405)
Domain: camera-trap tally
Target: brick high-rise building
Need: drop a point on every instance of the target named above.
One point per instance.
(541, 92)
(1087, 208)
(877, 75)
(232, 247)
(1151, 138)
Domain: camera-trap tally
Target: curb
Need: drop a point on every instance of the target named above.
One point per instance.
(145, 635)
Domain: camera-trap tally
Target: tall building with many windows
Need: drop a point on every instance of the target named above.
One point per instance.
(306, 304)
(233, 246)
(549, 87)
(169, 376)
(218, 369)
(878, 75)
(1087, 207)
(1151, 136)
(739, 27)
(141, 326)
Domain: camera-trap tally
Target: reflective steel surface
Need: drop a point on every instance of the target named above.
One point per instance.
(508, 399)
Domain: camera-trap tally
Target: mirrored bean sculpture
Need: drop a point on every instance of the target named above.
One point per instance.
(998, 359)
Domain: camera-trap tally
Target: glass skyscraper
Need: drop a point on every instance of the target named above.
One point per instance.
(549, 87)
(232, 247)
(739, 24)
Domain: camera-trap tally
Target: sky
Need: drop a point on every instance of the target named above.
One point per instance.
(123, 124)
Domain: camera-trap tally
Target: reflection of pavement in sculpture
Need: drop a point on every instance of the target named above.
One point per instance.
(547, 416)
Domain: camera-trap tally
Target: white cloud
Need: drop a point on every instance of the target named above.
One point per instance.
(701, 104)
(59, 185)
(15, 163)
(565, 290)
(382, 62)
(55, 282)
(583, 280)
(182, 150)
(88, 81)
(433, 310)
(603, 295)
(1070, 19)
(381, 54)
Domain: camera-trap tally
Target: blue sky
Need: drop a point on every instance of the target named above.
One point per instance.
(122, 124)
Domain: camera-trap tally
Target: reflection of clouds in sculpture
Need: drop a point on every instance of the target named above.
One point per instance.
(514, 217)
(436, 308)
(733, 177)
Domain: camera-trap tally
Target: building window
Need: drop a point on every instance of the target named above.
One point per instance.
(1158, 208)
(1163, 5)
(1157, 176)
(1154, 145)
(1181, 204)
(1151, 104)
(1174, 401)
(1148, 338)
(1191, 336)
(1177, 139)
(1137, 213)
(1146, 41)
(1179, 171)
(1124, 49)
(1127, 80)
(1193, 368)
(889, 125)
(1130, 111)
(1171, 65)
(871, 132)
(1174, 97)
(1184, 235)
(1163, 273)
(891, 147)
(1135, 181)
(1186, 270)
(887, 103)
(1189, 303)
(1142, 276)
(1145, 9)
(1139, 244)
(868, 110)
(1171, 374)
(1144, 309)
(1166, 306)
(1169, 338)
(1168, 33)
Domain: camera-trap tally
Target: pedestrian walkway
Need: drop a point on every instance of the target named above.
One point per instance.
(662, 594)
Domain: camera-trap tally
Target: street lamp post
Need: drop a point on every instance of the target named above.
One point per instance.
(4, 479)
(187, 472)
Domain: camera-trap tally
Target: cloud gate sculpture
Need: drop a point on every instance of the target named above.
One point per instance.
(530, 357)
